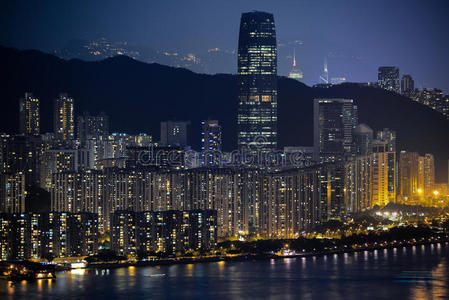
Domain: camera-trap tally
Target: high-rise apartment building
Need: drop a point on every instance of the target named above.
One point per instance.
(45, 235)
(383, 180)
(389, 136)
(210, 143)
(407, 85)
(363, 138)
(388, 79)
(332, 189)
(123, 232)
(82, 191)
(29, 115)
(358, 179)
(370, 176)
(428, 175)
(292, 203)
(257, 82)
(408, 175)
(89, 126)
(62, 160)
(12, 192)
(20, 153)
(169, 231)
(417, 177)
(63, 118)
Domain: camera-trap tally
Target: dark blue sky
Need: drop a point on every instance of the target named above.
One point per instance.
(356, 35)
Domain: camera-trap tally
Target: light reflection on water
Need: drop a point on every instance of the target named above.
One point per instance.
(360, 275)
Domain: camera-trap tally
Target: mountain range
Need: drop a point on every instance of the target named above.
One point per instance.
(138, 96)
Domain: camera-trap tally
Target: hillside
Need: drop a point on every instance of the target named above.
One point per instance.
(138, 96)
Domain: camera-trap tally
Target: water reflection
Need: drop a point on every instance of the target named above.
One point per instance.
(436, 287)
(39, 285)
(131, 271)
(221, 267)
(189, 270)
(369, 274)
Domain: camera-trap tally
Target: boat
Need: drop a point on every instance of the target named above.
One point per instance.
(285, 252)
(26, 270)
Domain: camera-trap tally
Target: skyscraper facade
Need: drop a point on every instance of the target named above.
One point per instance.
(362, 138)
(428, 174)
(370, 175)
(211, 143)
(417, 177)
(92, 126)
(22, 153)
(383, 168)
(12, 193)
(51, 234)
(63, 118)
(334, 121)
(257, 81)
(29, 115)
(407, 85)
(408, 175)
(174, 133)
(169, 231)
(388, 78)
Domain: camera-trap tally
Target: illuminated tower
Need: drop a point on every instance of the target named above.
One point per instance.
(325, 76)
(29, 115)
(295, 73)
(257, 82)
(63, 118)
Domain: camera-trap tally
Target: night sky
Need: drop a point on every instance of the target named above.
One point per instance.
(356, 36)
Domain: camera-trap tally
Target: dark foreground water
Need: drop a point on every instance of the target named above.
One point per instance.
(420, 272)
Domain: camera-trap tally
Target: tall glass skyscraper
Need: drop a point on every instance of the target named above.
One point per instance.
(334, 121)
(257, 80)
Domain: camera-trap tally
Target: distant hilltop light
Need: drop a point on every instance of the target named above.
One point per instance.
(338, 80)
(295, 73)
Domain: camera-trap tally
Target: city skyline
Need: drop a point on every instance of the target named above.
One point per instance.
(108, 96)
(124, 178)
(368, 34)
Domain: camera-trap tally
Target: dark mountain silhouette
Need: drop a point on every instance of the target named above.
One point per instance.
(138, 96)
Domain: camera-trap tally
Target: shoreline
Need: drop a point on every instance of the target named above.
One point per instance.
(249, 257)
